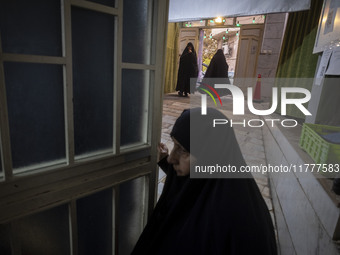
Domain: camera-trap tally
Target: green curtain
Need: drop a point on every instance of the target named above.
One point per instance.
(297, 59)
(171, 58)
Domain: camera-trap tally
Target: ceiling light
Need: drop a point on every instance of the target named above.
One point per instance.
(218, 20)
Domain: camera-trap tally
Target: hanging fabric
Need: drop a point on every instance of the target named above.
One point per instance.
(188, 10)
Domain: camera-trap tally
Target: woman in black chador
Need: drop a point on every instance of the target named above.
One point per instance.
(206, 216)
(187, 69)
(218, 68)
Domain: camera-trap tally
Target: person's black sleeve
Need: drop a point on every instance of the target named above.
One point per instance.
(164, 165)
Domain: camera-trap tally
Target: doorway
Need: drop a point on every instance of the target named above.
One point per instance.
(220, 38)
(233, 35)
(207, 36)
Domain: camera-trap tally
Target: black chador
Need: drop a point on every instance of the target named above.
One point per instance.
(217, 72)
(208, 216)
(187, 69)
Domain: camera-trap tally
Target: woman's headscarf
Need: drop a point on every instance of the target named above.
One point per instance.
(186, 50)
(217, 72)
(218, 67)
(210, 144)
(187, 69)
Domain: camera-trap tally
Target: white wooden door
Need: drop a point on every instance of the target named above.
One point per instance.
(187, 35)
(248, 51)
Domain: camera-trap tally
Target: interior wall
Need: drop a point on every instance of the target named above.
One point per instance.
(306, 217)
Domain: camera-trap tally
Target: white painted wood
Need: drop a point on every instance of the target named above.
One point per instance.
(118, 77)
(6, 155)
(95, 7)
(9, 57)
(161, 24)
(137, 66)
(28, 201)
(68, 83)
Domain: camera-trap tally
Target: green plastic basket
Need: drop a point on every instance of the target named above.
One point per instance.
(321, 151)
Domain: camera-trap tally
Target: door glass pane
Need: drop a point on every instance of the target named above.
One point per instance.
(36, 113)
(95, 219)
(137, 31)
(5, 245)
(131, 213)
(135, 106)
(31, 27)
(110, 3)
(44, 233)
(93, 47)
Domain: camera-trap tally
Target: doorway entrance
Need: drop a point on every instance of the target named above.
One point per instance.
(208, 36)
(240, 39)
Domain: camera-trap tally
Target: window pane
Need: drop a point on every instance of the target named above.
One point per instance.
(5, 245)
(36, 112)
(94, 214)
(131, 213)
(93, 45)
(31, 27)
(45, 233)
(135, 107)
(137, 31)
(110, 3)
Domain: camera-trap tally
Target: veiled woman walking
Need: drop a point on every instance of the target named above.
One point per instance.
(187, 69)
